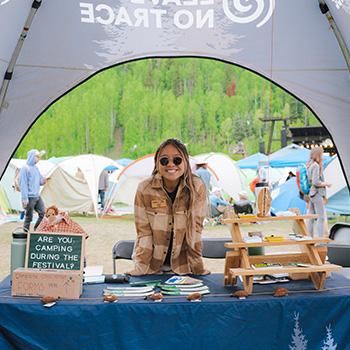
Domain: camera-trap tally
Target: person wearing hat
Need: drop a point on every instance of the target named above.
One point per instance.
(243, 205)
(203, 172)
(217, 203)
(30, 181)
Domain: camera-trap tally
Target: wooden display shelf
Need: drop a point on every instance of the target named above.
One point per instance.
(284, 269)
(268, 218)
(277, 243)
(238, 261)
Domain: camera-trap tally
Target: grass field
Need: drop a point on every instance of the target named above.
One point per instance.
(104, 233)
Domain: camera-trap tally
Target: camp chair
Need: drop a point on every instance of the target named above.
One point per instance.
(213, 248)
(339, 250)
(122, 250)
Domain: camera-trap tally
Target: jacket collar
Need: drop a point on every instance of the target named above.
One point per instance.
(157, 182)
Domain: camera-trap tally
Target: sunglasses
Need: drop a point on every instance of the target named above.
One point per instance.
(165, 161)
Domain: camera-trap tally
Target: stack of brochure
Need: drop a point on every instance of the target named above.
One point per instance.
(93, 274)
(129, 291)
(183, 285)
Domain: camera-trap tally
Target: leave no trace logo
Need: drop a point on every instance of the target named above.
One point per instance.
(242, 11)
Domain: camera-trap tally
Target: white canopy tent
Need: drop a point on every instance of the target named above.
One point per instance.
(289, 42)
(227, 175)
(71, 193)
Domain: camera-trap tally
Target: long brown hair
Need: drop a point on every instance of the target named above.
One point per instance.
(316, 156)
(187, 176)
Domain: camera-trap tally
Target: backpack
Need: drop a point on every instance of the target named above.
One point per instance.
(303, 180)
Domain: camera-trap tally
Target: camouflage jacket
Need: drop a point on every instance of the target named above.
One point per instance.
(155, 218)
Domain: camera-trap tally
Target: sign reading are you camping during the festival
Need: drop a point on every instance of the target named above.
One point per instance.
(54, 251)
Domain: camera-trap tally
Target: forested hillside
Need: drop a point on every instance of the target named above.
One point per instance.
(208, 104)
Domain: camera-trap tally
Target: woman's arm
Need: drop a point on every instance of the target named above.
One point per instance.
(200, 211)
(316, 178)
(143, 249)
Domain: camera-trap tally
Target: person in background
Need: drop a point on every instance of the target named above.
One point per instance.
(203, 172)
(243, 205)
(253, 183)
(103, 187)
(30, 181)
(317, 194)
(170, 208)
(290, 175)
(217, 203)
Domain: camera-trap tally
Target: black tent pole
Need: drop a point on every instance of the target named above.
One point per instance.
(325, 10)
(9, 71)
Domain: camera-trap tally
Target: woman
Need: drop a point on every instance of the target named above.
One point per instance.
(170, 208)
(317, 194)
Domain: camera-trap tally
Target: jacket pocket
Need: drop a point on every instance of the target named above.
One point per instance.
(157, 220)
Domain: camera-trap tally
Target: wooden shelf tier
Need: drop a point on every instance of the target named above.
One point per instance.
(269, 218)
(284, 269)
(233, 245)
(238, 261)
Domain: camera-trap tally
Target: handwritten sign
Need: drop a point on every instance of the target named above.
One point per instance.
(54, 251)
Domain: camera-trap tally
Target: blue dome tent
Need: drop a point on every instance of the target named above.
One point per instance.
(287, 196)
(252, 161)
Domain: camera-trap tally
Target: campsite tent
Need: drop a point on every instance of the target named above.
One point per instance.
(289, 42)
(252, 161)
(128, 180)
(292, 156)
(333, 174)
(286, 196)
(338, 193)
(7, 181)
(71, 193)
(339, 203)
(227, 174)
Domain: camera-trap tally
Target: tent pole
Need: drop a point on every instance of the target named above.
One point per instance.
(9, 72)
(325, 10)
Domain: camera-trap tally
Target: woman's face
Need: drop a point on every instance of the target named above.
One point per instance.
(171, 164)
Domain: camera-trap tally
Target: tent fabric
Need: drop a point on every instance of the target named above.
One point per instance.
(68, 192)
(333, 174)
(130, 177)
(227, 174)
(287, 196)
(292, 156)
(7, 181)
(305, 59)
(339, 203)
(252, 161)
(124, 161)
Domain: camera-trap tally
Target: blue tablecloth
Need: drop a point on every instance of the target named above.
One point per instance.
(305, 319)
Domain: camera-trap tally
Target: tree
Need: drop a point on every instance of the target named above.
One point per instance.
(298, 339)
(328, 343)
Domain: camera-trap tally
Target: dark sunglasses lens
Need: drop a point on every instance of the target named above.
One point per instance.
(164, 161)
(177, 160)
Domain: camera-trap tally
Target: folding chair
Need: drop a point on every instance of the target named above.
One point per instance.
(122, 250)
(213, 248)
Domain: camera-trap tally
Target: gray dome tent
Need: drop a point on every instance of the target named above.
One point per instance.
(46, 49)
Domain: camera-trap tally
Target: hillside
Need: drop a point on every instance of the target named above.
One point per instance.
(128, 110)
